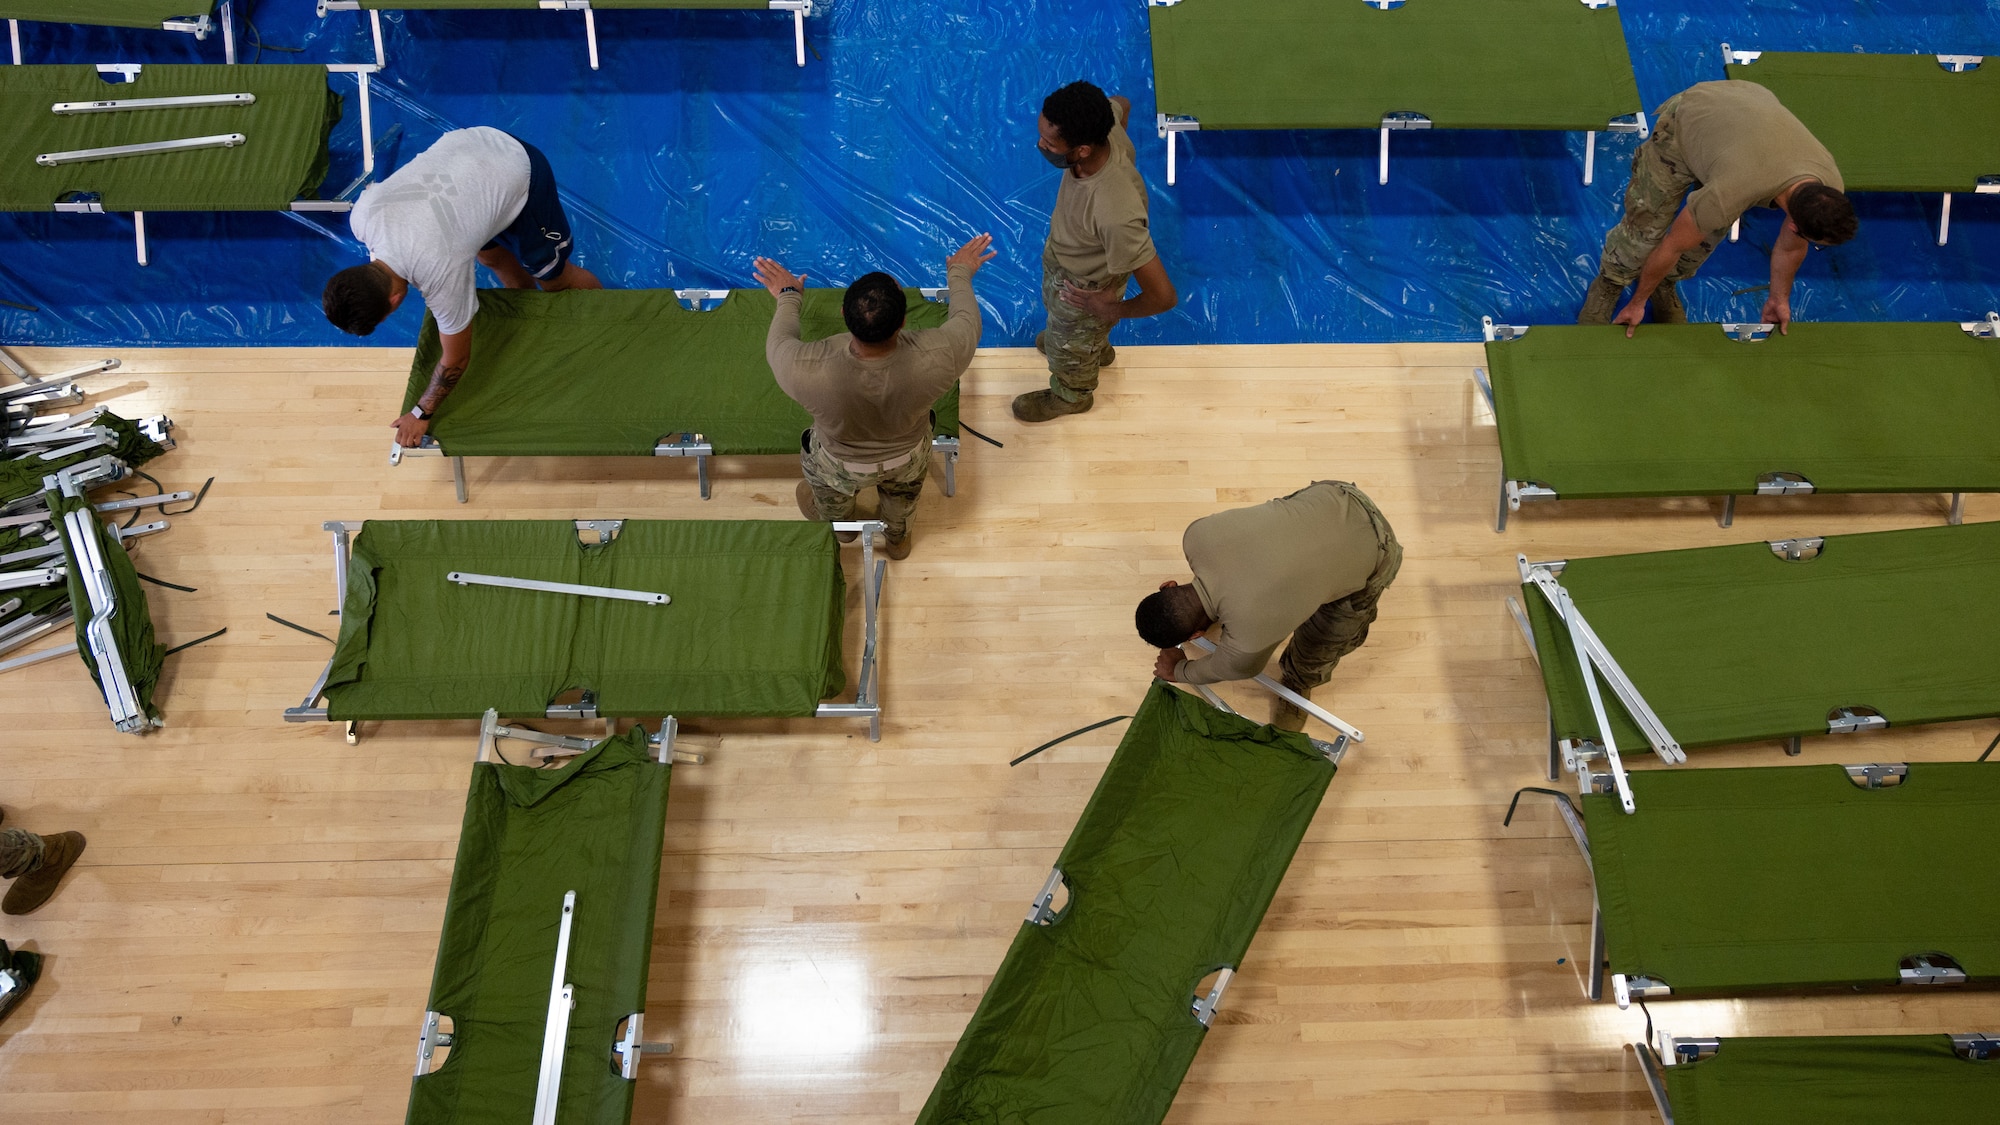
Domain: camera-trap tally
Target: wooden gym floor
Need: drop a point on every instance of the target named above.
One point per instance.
(250, 935)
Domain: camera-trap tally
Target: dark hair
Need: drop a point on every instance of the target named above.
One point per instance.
(356, 299)
(1081, 113)
(874, 307)
(1821, 213)
(1167, 617)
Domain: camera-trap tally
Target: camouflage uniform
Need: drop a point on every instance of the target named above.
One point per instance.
(1075, 341)
(1340, 627)
(1660, 182)
(834, 485)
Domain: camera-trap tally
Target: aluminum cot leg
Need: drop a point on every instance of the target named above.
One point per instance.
(458, 477)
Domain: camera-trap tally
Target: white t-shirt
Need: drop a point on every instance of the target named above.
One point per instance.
(429, 220)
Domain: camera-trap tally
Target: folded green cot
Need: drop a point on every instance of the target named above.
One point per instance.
(164, 137)
(1102, 1001)
(799, 9)
(594, 618)
(199, 18)
(539, 994)
(1393, 65)
(634, 373)
(1918, 123)
(1810, 1080)
(1779, 640)
(1735, 881)
(1708, 410)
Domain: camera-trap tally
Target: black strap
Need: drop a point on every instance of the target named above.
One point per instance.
(302, 629)
(168, 585)
(196, 641)
(1989, 748)
(981, 437)
(1516, 802)
(1067, 737)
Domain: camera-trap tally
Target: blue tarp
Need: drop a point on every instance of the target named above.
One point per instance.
(700, 144)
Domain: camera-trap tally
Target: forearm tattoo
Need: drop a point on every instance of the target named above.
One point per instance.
(442, 381)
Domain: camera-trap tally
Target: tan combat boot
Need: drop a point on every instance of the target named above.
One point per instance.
(1601, 303)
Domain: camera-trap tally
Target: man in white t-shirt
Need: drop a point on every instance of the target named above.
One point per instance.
(477, 194)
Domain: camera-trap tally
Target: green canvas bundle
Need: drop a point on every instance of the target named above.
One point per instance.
(1813, 1080)
(1465, 64)
(21, 475)
(530, 836)
(754, 628)
(131, 621)
(610, 372)
(283, 158)
(104, 13)
(1684, 410)
(1169, 870)
(1792, 877)
(1734, 644)
(1892, 122)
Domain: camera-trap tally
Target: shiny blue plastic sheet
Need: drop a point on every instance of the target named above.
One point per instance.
(911, 127)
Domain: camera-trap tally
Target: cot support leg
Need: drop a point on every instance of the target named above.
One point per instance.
(353, 733)
(228, 32)
(590, 34)
(1957, 515)
(14, 33)
(1595, 989)
(948, 449)
(1944, 220)
(1736, 230)
(1555, 747)
(1500, 509)
(1172, 141)
(1728, 515)
(367, 124)
(701, 476)
(1794, 747)
(458, 477)
(1382, 177)
(1656, 1084)
(799, 35)
(375, 29)
(1589, 157)
(139, 234)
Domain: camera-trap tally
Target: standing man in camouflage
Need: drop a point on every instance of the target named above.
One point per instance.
(1098, 240)
(870, 389)
(35, 864)
(1312, 565)
(1723, 147)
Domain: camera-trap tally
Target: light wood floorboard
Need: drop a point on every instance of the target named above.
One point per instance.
(250, 936)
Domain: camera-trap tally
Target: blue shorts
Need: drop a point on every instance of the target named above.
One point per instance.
(539, 235)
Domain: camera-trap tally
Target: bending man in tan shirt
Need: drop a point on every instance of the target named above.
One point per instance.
(1723, 147)
(1099, 239)
(871, 388)
(1311, 565)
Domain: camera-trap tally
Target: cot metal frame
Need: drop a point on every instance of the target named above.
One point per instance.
(1344, 731)
(1680, 1050)
(867, 702)
(1171, 125)
(1954, 64)
(626, 1049)
(221, 17)
(1777, 482)
(341, 203)
(799, 9)
(686, 443)
(80, 531)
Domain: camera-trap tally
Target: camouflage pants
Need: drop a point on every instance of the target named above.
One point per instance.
(1340, 627)
(1660, 181)
(20, 852)
(834, 485)
(1074, 339)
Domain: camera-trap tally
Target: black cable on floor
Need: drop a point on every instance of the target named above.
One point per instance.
(302, 629)
(1989, 748)
(982, 437)
(196, 641)
(1067, 737)
(1516, 802)
(162, 582)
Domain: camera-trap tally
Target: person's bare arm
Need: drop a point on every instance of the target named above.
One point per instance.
(1682, 237)
(451, 365)
(1156, 295)
(1121, 107)
(1786, 258)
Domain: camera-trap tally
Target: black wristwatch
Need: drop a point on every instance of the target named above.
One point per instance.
(789, 289)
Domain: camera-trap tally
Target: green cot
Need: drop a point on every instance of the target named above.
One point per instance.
(1100, 1005)
(1730, 882)
(799, 10)
(594, 618)
(1717, 645)
(82, 139)
(1920, 123)
(1810, 1080)
(539, 994)
(199, 18)
(1728, 410)
(115, 636)
(1393, 65)
(634, 373)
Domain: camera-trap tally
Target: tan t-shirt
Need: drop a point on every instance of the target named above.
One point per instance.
(1099, 229)
(874, 410)
(1262, 571)
(1745, 148)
